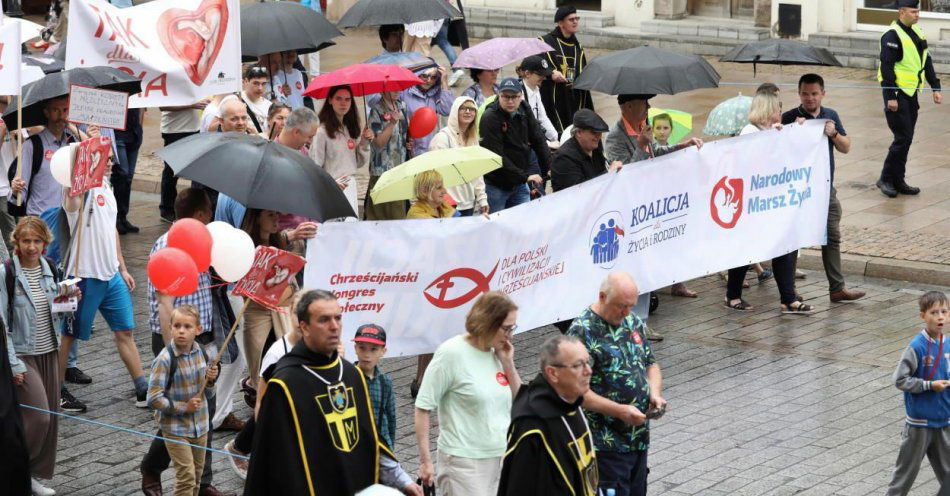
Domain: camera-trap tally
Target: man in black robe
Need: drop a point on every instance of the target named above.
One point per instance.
(560, 98)
(315, 432)
(550, 448)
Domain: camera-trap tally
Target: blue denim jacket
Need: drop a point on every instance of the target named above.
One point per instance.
(20, 335)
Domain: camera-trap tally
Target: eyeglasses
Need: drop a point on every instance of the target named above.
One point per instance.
(573, 19)
(256, 71)
(509, 329)
(511, 97)
(574, 366)
(428, 77)
(467, 109)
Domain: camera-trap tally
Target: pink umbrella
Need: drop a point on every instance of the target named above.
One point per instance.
(499, 52)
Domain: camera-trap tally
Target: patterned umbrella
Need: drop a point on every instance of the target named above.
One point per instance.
(414, 61)
(499, 52)
(729, 117)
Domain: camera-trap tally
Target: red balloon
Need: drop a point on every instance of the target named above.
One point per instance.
(422, 123)
(173, 272)
(192, 237)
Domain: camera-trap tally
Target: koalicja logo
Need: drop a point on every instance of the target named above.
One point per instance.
(725, 202)
(444, 282)
(605, 237)
(194, 37)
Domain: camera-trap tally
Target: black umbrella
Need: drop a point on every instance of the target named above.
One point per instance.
(57, 84)
(647, 70)
(47, 64)
(379, 12)
(779, 51)
(258, 173)
(271, 27)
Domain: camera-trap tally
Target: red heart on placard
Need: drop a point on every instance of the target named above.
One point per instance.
(194, 37)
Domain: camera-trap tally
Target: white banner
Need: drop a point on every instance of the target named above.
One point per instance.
(685, 215)
(183, 50)
(10, 58)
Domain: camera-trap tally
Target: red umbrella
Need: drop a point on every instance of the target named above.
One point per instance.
(363, 79)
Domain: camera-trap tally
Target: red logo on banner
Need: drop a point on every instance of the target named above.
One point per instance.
(444, 282)
(48, 155)
(269, 276)
(501, 378)
(91, 159)
(194, 37)
(725, 202)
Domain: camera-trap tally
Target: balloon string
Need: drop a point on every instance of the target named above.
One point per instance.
(213, 286)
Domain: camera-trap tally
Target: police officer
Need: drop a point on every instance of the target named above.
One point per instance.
(904, 59)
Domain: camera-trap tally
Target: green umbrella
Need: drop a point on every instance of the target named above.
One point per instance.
(456, 165)
(682, 123)
(729, 117)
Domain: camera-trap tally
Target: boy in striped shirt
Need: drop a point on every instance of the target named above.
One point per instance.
(923, 374)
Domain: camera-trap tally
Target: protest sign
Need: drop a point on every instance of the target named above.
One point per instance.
(90, 165)
(10, 59)
(182, 50)
(667, 220)
(98, 107)
(272, 271)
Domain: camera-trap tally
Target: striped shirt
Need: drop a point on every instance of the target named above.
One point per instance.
(45, 341)
(170, 404)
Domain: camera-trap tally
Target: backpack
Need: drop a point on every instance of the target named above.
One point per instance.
(20, 210)
(10, 280)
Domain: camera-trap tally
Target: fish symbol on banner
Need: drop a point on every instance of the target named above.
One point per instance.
(444, 282)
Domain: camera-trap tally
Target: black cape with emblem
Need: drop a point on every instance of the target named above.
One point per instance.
(545, 456)
(561, 100)
(312, 438)
(14, 457)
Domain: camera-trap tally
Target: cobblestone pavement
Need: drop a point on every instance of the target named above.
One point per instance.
(905, 228)
(760, 403)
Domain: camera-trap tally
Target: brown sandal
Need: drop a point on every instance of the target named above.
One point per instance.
(742, 305)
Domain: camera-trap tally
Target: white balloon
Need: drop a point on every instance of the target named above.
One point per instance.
(61, 167)
(232, 255)
(378, 490)
(219, 229)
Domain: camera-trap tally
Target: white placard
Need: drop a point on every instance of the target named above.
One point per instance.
(10, 59)
(182, 50)
(681, 216)
(99, 107)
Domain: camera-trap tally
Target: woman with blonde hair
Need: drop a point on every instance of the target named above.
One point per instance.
(459, 132)
(32, 341)
(766, 114)
(472, 382)
(430, 197)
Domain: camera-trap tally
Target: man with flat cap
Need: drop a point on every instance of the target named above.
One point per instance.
(905, 61)
(582, 156)
(561, 100)
(631, 139)
(550, 448)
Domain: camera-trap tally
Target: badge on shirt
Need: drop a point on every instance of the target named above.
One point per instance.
(928, 361)
(299, 86)
(504, 127)
(892, 45)
(48, 155)
(387, 116)
(350, 144)
(636, 337)
(501, 378)
(101, 200)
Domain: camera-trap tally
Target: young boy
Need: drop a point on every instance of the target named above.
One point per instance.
(662, 129)
(182, 415)
(923, 374)
(370, 347)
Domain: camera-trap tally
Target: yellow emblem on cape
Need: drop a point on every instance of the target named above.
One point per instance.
(340, 413)
(586, 463)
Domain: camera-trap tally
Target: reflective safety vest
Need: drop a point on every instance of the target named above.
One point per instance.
(910, 68)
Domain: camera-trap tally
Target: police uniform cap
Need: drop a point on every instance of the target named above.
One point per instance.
(913, 4)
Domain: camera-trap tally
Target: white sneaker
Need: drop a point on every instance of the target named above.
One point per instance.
(239, 465)
(39, 489)
(455, 76)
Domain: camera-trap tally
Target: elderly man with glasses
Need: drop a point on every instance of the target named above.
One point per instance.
(625, 387)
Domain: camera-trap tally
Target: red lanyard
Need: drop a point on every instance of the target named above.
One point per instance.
(936, 365)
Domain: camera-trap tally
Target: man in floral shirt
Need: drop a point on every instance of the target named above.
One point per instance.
(625, 384)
